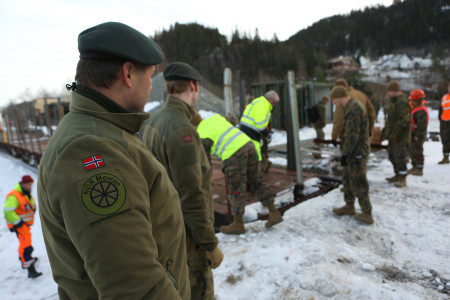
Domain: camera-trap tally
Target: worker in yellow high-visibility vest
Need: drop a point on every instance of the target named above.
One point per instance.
(256, 117)
(240, 165)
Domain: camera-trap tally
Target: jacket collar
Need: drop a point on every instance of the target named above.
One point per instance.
(127, 120)
(178, 105)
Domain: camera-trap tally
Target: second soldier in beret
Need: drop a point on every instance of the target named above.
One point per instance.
(171, 137)
(110, 215)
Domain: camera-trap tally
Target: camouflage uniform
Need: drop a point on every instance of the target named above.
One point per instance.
(355, 145)
(419, 124)
(338, 118)
(242, 168)
(397, 131)
(240, 161)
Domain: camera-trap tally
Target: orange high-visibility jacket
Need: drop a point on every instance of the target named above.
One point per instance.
(25, 209)
(445, 104)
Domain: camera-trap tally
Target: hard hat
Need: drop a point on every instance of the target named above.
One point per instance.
(416, 94)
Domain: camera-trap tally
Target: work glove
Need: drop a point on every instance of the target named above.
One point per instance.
(393, 138)
(216, 257)
(334, 142)
(344, 160)
(18, 225)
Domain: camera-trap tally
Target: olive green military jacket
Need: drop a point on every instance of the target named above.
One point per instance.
(397, 127)
(110, 216)
(320, 123)
(355, 141)
(338, 118)
(174, 141)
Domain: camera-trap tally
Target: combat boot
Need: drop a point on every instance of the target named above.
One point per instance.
(401, 182)
(237, 227)
(32, 273)
(347, 209)
(444, 161)
(364, 218)
(393, 178)
(415, 171)
(274, 216)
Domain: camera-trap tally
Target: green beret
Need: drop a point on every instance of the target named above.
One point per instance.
(179, 70)
(393, 86)
(117, 40)
(338, 92)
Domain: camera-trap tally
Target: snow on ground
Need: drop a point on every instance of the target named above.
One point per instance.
(312, 254)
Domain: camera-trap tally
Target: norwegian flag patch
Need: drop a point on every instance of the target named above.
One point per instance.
(187, 139)
(93, 162)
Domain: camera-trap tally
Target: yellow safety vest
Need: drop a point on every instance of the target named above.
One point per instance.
(227, 138)
(25, 209)
(257, 114)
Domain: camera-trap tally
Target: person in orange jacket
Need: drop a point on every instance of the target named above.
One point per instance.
(419, 124)
(19, 212)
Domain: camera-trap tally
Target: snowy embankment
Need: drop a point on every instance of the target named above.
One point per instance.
(312, 254)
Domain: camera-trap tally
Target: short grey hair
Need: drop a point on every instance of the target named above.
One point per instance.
(272, 95)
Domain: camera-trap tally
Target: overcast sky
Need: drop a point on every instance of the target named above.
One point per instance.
(39, 38)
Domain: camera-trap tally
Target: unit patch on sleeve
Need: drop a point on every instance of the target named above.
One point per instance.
(93, 162)
(103, 194)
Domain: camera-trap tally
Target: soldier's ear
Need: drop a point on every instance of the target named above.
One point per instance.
(127, 75)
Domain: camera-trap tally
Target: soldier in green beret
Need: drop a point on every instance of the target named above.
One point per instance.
(111, 218)
(171, 137)
(355, 150)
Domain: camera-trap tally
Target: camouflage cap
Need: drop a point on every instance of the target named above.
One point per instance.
(338, 92)
(393, 86)
(117, 40)
(179, 70)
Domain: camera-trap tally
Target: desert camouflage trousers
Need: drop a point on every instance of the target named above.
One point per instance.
(356, 185)
(242, 168)
(398, 156)
(444, 128)
(416, 153)
(200, 273)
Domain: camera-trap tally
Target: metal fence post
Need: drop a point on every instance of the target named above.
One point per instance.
(295, 127)
(47, 117)
(227, 91)
(33, 110)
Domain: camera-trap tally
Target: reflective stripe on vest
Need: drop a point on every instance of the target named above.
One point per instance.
(445, 104)
(249, 121)
(231, 139)
(25, 210)
(227, 138)
(413, 124)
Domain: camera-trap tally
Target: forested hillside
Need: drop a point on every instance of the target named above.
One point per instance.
(419, 27)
